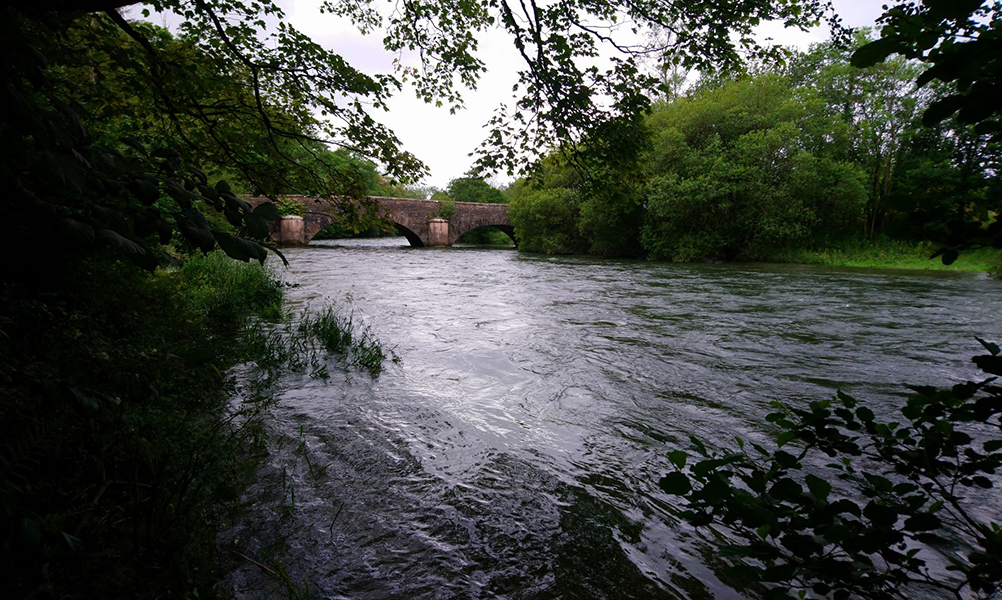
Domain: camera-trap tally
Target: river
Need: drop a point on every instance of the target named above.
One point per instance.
(515, 449)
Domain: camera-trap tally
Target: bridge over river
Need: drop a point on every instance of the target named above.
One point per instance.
(417, 220)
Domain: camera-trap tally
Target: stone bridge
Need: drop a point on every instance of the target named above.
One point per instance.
(417, 220)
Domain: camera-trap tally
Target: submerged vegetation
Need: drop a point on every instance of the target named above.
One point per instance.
(311, 340)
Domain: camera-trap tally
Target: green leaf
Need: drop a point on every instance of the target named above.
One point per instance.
(989, 364)
(233, 216)
(77, 232)
(786, 489)
(72, 541)
(922, 522)
(134, 144)
(119, 242)
(875, 52)
(30, 532)
(879, 483)
(864, 414)
(195, 228)
(239, 248)
(267, 211)
(145, 189)
(989, 346)
(882, 515)
(819, 487)
(256, 226)
(700, 447)
(847, 400)
(785, 438)
(675, 483)
(940, 110)
(678, 458)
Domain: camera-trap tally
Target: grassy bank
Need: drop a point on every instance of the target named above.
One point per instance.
(892, 254)
(118, 449)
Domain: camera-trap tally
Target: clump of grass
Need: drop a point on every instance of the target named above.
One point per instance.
(313, 340)
(334, 328)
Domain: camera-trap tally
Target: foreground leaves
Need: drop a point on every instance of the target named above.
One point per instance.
(849, 506)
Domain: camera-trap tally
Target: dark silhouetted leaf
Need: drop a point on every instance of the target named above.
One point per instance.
(875, 52)
(123, 244)
(819, 487)
(675, 483)
(267, 211)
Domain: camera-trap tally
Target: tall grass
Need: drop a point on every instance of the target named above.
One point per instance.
(892, 254)
(316, 340)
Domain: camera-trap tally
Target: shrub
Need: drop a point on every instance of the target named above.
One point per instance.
(892, 500)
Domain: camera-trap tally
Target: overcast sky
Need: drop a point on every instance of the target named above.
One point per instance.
(443, 141)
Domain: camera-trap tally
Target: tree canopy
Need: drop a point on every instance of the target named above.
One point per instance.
(240, 96)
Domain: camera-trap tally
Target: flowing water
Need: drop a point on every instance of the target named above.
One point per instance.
(515, 449)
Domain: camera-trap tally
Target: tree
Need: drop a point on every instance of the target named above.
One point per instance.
(959, 43)
(475, 189)
(862, 507)
(948, 179)
(298, 96)
(744, 170)
(878, 104)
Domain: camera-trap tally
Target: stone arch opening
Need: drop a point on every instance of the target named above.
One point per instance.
(412, 238)
(314, 222)
(507, 230)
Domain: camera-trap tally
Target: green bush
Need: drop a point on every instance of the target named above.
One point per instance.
(446, 208)
(733, 174)
(846, 505)
(116, 436)
(546, 220)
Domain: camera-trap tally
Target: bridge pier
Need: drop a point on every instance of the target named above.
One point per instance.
(438, 232)
(292, 231)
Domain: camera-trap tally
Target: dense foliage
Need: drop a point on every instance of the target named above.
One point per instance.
(743, 170)
(811, 155)
(117, 451)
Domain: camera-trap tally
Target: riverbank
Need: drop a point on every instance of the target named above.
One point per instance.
(119, 451)
(893, 254)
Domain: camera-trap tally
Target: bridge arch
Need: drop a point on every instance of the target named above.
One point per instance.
(412, 238)
(506, 229)
(470, 215)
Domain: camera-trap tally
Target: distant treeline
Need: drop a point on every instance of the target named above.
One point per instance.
(811, 154)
